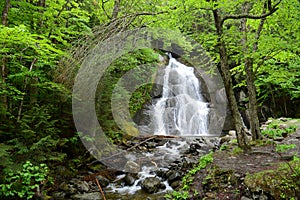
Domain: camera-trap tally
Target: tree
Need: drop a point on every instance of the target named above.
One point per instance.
(219, 22)
(3, 103)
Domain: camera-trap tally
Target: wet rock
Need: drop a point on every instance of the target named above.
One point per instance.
(104, 182)
(69, 189)
(174, 77)
(59, 195)
(162, 173)
(151, 145)
(245, 198)
(87, 196)
(81, 186)
(132, 167)
(194, 148)
(129, 179)
(175, 184)
(173, 176)
(152, 185)
(188, 162)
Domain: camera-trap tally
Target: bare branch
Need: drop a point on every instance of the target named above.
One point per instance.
(249, 16)
(103, 8)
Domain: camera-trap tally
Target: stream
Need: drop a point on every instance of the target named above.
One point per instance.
(181, 114)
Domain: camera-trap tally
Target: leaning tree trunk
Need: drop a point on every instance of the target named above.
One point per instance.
(227, 79)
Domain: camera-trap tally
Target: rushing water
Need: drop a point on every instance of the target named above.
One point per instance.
(181, 110)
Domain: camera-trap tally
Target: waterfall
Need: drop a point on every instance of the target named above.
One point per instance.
(182, 109)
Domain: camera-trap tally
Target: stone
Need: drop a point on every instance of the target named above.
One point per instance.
(132, 167)
(269, 122)
(152, 185)
(175, 184)
(225, 139)
(283, 126)
(59, 195)
(161, 58)
(279, 139)
(264, 127)
(284, 119)
(64, 186)
(157, 87)
(245, 198)
(69, 189)
(83, 186)
(174, 77)
(129, 180)
(173, 176)
(232, 133)
(104, 182)
(87, 196)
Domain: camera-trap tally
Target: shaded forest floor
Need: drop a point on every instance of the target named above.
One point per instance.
(270, 171)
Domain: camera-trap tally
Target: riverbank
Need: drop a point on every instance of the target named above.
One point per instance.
(270, 171)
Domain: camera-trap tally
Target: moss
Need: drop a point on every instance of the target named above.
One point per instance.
(281, 183)
(237, 150)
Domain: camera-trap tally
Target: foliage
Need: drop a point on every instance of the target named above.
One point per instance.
(273, 129)
(24, 183)
(187, 180)
(282, 183)
(284, 147)
(35, 105)
(136, 64)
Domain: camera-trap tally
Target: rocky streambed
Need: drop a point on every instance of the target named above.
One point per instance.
(149, 182)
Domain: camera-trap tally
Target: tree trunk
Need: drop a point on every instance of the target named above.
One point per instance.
(254, 121)
(116, 9)
(5, 12)
(227, 79)
(4, 101)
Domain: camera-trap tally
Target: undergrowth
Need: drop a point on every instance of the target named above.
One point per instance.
(187, 180)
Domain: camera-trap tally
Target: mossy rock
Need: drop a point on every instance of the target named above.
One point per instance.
(131, 130)
(282, 183)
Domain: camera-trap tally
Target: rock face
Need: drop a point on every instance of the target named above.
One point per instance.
(152, 185)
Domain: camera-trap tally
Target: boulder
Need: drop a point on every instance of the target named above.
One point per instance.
(132, 167)
(152, 185)
(129, 179)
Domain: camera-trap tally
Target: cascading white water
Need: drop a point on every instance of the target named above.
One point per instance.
(181, 110)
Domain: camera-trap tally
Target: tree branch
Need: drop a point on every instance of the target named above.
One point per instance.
(249, 16)
(103, 8)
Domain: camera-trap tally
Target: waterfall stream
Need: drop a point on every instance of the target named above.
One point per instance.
(181, 110)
